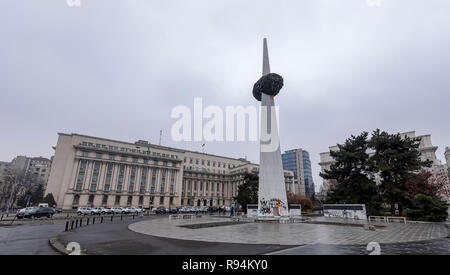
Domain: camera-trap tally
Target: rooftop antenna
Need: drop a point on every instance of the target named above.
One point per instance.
(160, 135)
(203, 148)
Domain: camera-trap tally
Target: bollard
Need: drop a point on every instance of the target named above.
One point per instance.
(112, 217)
(76, 224)
(87, 222)
(81, 222)
(1, 218)
(67, 226)
(121, 217)
(71, 225)
(133, 216)
(101, 220)
(93, 220)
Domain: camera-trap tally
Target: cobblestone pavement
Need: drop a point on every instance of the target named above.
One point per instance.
(429, 247)
(289, 234)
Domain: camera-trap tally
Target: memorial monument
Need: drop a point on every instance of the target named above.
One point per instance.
(272, 199)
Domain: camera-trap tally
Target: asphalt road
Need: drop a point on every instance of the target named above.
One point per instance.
(115, 238)
(29, 238)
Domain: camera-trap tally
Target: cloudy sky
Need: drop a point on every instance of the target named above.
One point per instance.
(116, 68)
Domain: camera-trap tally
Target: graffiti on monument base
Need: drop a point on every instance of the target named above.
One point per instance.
(267, 206)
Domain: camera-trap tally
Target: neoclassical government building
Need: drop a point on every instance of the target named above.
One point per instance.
(92, 171)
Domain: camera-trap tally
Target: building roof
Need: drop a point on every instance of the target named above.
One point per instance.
(151, 145)
(40, 159)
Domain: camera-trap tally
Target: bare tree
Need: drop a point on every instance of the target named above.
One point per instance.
(16, 183)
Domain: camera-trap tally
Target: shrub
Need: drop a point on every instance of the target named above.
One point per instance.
(424, 208)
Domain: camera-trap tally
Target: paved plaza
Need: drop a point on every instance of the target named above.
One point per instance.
(220, 236)
(288, 234)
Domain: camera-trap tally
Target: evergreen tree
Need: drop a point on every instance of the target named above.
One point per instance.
(396, 159)
(424, 208)
(248, 190)
(37, 195)
(50, 200)
(354, 184)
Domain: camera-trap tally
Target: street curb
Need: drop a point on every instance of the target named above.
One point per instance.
(56, 244)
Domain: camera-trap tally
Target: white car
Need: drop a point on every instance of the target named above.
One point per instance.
(185, 209)
(102, 210)
(135, 210)
(118, 210)
(24, 212)
(84, 211)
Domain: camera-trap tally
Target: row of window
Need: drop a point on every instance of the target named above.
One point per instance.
(209, 163)
(120, 179)
(127, 150)
(133, 159)
(117, 200)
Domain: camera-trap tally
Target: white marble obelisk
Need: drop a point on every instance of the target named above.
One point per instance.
(272, 199)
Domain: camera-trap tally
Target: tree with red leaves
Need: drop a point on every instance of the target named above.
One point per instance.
(434, 185)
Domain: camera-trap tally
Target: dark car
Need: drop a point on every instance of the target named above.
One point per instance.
(160, 210)
(43, 212)
(173, 210)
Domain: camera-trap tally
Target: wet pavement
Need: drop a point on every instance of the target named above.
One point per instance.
(290, 234)
(429, 247)
(29, 237)
(115, 239)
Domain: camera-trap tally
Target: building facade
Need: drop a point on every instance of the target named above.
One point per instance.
(38, 167)
(298, 161)
(426, 148)
(92, 171)
(4, 188)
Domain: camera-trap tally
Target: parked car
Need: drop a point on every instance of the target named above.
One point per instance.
(118, 210)
(133, 210)
(184, 209)
(128, 210)
(43, 212)
(84, 211)
(58, 210)
(138, 210)
(173, 210)
(102, 210)
(161, 210)
(25, 212)
(96, 211)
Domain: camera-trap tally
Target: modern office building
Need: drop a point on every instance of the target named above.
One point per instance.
(426, 148)
(299, 163)
(96, 171)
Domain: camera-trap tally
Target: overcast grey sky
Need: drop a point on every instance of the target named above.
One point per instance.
(116, 68)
